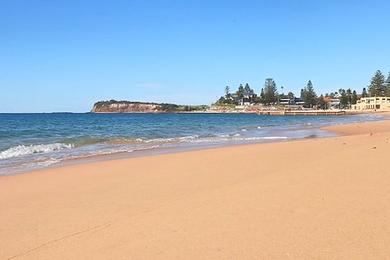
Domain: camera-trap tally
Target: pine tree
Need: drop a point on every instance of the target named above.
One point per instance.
(349, 96)
(364, 93)
(343, 98)
(387, 90)
(354, 97)
(262, 96)
(247, 90)
(270, 92)
(227, 91)
(377, 86)
(240, 92)
(309, 95)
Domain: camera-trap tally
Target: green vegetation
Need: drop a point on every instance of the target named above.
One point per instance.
(364, 93)
(269, 96)
(308, 95)
(102, 104)
(163, 107)
(377, 86)
(242, 95)
(270, 92)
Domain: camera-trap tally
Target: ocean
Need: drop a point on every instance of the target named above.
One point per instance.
(34, 141)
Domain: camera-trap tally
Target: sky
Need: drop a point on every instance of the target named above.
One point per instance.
(65, 55)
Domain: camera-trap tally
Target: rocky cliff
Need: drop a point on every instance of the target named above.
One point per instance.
(114, 106)
(124, 107)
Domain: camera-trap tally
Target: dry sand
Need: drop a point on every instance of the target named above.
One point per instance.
(310, 199)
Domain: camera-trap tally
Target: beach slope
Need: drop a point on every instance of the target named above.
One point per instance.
(309, 199)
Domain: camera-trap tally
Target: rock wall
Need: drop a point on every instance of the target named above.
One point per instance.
(126, 108)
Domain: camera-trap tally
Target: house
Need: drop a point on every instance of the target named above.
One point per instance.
(373, 103)
(334, 103)
(294, 103)
(285, 101)
(298, 101)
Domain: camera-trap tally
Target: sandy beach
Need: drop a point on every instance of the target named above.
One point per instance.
(325, 198)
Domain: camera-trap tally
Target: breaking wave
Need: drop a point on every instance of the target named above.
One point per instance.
(21, 150)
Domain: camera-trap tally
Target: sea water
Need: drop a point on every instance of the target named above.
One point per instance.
(33, 141)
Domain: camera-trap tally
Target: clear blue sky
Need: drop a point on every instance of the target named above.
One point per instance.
(64, 55)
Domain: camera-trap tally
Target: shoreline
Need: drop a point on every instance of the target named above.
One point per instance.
(265, 112)
(178, 148)
(123, 155)
(308, 198)
(339, 130)
(120, 156)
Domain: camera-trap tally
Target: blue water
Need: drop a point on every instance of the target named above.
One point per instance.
(31, 141)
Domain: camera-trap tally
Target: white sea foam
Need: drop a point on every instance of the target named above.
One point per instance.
(255, 138)
(223, 135)
(48, 162)
(190, 137)
(159, 140)
(173, 139)
(274, 137)
(250, 138)
(21, 150)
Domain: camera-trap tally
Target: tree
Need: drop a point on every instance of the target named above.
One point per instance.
(290, 95)
(364, 93)
(270, 92)
(227, 91)
(388, 86)
(249, 94)
(349, 96)
(247, 90)
(354, 98)
(302, 95)
(322, 103)
(343, 98)
(240, 91)
(377, 86)
(221, 101)
(328, 100)
(309, 95)
(262, 96)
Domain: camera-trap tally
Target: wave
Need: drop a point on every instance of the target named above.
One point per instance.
(21, 150)
(172, 139)
(274, 137)
(136, 143)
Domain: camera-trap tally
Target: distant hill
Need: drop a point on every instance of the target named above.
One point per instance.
(114, 106)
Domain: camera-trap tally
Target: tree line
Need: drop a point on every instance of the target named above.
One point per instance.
(269, 95)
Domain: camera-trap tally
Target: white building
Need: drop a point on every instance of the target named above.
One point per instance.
(373, 103)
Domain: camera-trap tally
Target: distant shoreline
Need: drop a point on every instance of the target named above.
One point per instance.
(263, 112)
(114, 107)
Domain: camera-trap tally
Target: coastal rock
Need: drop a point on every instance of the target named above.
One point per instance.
(114, 106)
(125, 108)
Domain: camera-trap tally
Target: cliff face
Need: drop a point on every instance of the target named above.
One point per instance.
(114, 106)
(126, 108)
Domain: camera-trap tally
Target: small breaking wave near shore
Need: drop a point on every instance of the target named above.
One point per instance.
(21, 150)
